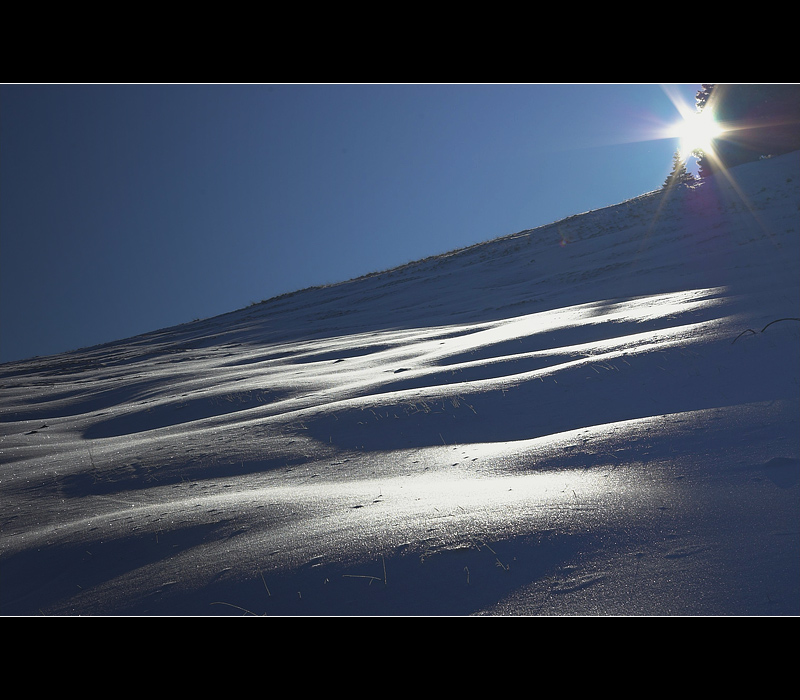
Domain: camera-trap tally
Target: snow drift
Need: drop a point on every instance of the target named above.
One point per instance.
(594, 417)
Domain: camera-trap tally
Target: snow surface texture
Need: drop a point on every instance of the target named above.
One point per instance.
(588, 418)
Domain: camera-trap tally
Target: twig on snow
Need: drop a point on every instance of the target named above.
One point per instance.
(750, 330)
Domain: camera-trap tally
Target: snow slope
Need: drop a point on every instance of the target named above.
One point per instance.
(588, 418)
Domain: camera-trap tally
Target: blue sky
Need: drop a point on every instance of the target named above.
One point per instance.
(130, 208)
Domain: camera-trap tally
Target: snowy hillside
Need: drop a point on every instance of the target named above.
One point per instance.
(595, 417)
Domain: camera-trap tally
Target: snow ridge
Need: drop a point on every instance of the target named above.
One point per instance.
(568, 420)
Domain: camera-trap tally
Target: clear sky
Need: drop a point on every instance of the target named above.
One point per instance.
(130, 208)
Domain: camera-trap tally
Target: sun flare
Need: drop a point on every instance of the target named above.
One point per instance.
(697, 133)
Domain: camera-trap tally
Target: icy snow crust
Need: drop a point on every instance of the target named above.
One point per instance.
(580, 419)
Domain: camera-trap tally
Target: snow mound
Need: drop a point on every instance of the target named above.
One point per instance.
(594, 417)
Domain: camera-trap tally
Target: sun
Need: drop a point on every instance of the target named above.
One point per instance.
(697, 132)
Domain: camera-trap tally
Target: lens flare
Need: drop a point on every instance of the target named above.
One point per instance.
(697, 132)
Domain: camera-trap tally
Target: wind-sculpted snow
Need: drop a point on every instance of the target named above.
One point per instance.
(599, 416)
